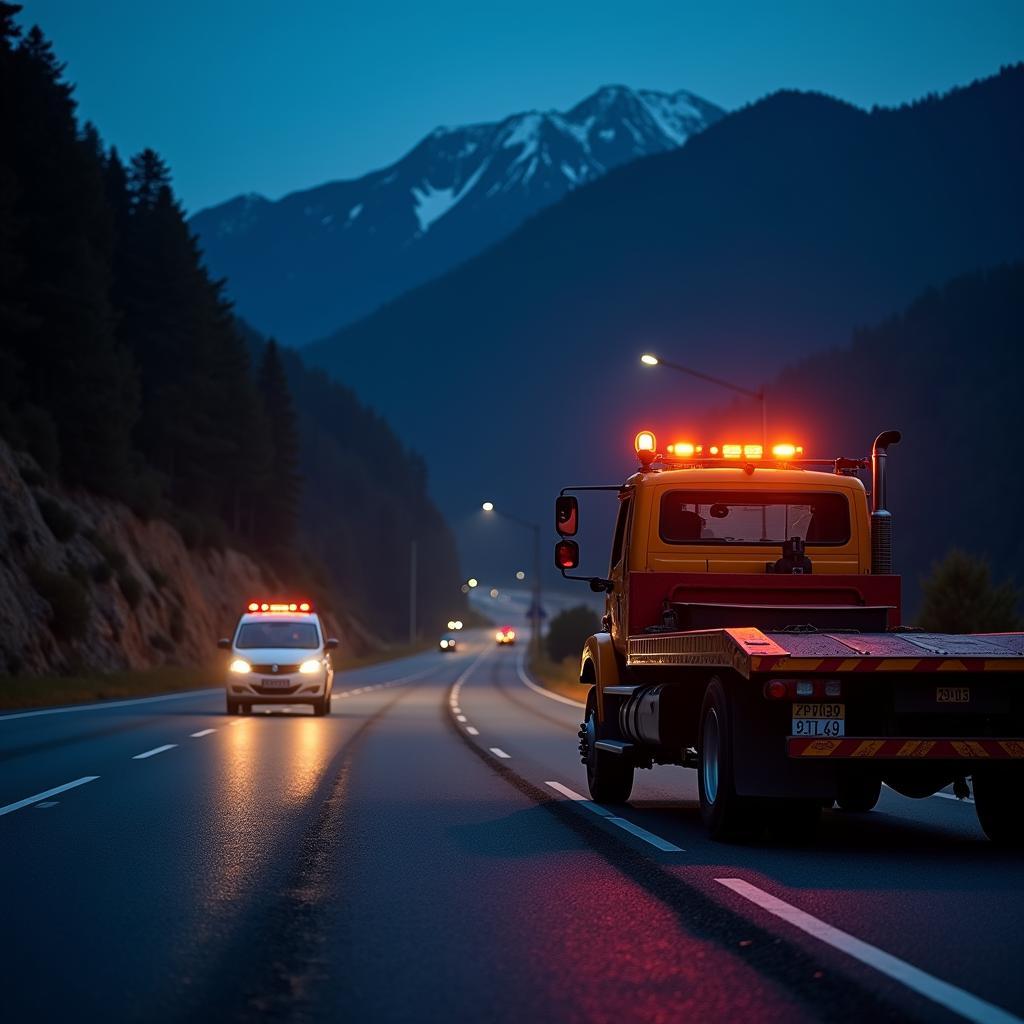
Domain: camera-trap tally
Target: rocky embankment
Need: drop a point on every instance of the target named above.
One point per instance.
(87, 585)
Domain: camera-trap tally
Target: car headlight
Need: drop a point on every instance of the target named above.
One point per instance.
(307, 668)
(443, 644)
(240, 666)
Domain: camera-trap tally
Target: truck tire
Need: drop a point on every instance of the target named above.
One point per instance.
(857, 794)
(233, 706)
(727, 817)
(997, 794)
(609, 776)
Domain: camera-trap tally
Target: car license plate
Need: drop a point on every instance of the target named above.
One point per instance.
(819, 719)
(275, 684)
(953, 695)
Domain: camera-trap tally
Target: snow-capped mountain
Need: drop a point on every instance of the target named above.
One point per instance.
(316, 260)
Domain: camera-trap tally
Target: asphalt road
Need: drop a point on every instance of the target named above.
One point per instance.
(423, 855)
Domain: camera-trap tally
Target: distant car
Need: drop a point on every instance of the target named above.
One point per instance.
(279, 655)
(505, 635)
(447, 644)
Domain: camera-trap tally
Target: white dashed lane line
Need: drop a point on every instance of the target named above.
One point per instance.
(39, 797)
(952, 998)
(498, 752)
(472, 731)
(155, 750)
(202, 732)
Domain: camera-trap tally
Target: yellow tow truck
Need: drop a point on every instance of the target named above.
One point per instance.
(752, 631)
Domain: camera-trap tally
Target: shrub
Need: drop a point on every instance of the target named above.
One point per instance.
(158, 576)
(32, 475)
(80, 572)
(67, 598)
(130, 587)
(960, 597)
(177, 625)
(60, 520)
(112, 554)
(569, 630)
(161, 643)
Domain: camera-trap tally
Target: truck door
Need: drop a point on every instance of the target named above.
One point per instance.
(617, 610)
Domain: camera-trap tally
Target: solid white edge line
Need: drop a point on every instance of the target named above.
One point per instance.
(155, 750)
(648, 837)
(521, 670)
(100, 705)
(202, 732)
(942, 992)
(498, 752)
(581, 800)
(29, 800)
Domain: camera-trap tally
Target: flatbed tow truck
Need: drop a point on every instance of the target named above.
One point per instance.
(752, 631)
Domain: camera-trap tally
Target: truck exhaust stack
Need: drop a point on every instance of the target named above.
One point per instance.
(881, 517)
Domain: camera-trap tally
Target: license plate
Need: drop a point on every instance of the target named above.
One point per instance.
(819, 720)
(275, 684)
(953, 695)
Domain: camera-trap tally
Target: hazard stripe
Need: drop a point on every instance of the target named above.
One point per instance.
(898, 748)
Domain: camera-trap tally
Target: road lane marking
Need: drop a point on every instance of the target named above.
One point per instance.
(155, 750)
(953, 796)
(952, 998)
(498, 752)
(472, 731)
(521, 670)
(101, 705)
(461, 718)
(648, 837)
(29, 800)
(202, 732)
(47, 804)
(627, 826)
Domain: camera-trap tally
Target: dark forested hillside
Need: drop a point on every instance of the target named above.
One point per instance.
(124, 373)
(769, 235)
(946, 372)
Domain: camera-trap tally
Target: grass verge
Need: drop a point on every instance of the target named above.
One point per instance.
(49, 691)
(561, 677)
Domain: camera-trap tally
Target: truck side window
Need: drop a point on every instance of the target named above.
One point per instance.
(620, 530)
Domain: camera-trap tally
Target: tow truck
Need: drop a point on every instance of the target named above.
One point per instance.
(752, 631)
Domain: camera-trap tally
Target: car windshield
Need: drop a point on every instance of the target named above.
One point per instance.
(298, 635)
(700, 517)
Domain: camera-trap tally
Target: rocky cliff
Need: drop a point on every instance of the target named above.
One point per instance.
(86, 584)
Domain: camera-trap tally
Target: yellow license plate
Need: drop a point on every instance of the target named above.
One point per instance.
(819, 720)
(819, 711)
(953, 695)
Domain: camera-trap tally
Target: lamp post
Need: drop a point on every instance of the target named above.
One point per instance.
(488, 506)
(652, 360)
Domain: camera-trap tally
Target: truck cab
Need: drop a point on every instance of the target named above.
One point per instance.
(753, 631)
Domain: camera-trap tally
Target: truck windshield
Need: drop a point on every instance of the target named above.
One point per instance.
(705, 517)
(297, 635)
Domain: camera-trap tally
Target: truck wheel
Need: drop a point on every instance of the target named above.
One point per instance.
(609, 776)
(727, 817)
(997, 793)
(857, 794)
(233, 706)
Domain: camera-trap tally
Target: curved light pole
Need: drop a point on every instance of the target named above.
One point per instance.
(652, 360)
(488, 506)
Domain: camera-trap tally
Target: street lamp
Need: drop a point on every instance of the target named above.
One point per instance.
(652, 360)
(488, 506)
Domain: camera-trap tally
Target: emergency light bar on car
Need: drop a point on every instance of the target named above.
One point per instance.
(279, 606)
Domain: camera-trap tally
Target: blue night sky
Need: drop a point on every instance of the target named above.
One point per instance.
(247, 95)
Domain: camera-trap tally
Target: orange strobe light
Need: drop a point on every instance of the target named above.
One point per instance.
(787, 451)
(645, 442)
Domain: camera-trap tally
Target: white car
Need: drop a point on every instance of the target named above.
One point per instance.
(279, 655)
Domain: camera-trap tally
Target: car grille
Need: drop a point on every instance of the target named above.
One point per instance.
(276, 691)
(268, 670)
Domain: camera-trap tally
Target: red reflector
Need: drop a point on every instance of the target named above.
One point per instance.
(775, 689)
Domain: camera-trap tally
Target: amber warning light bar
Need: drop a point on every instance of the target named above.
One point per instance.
(278, 606)
(646, 447)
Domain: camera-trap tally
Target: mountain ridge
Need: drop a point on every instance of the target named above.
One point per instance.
(318, 258)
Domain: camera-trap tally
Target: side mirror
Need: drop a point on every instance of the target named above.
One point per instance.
(567, 555)
(331, 645)
(567, 515)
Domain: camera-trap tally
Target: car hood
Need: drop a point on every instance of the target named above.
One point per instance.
(277, 655)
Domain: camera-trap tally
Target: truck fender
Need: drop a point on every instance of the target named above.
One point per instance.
(599, 666)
